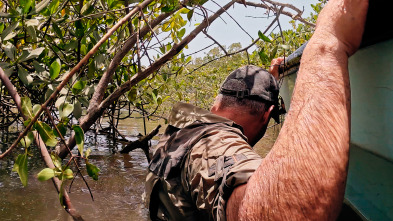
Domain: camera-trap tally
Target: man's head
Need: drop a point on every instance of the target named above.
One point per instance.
(249, 92)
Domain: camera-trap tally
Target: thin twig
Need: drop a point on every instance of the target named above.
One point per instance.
(217, 43)
(101, 13)
(241, 27)
(294, 17)
(151, 30)
(236, 52)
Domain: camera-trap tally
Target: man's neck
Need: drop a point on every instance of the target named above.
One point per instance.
(248, 122)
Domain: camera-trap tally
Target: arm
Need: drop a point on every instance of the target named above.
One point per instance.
(304, 175)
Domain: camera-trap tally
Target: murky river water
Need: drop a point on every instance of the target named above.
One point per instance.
(117, 193)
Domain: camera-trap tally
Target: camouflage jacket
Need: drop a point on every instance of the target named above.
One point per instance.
(198, 162)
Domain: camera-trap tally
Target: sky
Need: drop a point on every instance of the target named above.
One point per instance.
(226, 31)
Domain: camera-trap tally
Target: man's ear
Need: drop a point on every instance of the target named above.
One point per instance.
(266, 116)
(215, 107)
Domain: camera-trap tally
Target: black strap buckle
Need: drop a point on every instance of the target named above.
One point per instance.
(242, 94)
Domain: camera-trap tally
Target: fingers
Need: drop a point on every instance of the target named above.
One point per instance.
(274, 66)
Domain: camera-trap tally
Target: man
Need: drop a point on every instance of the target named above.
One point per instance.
(205, 169)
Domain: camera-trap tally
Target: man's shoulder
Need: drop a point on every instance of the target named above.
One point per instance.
(183, 114)
(222, 140)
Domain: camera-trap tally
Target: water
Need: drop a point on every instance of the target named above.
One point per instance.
(117, 193)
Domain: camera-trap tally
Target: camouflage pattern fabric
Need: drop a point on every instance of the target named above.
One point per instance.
(198, 162)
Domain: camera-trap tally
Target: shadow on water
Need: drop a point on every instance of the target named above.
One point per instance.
(117, 193)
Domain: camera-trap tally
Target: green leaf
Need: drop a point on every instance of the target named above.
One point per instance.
(5, 65)
(159, 100)
(79, 138)
(65, 109)
(53, 6)
(87, 152)
(27, 109)
(264, 58)
(46, 133)
(27, 140)
(54, 70)
(109, 2)
(154, 98)
(91, 70)
(46, 174)
(134, 68)
(167, 8)
(87, 8)
(263, 37)
(162, 49)
(99, 61)
(132, 94)
(20, 167)
(92, 170)
(83, 101)
(9, 71)
(61, 192)
(80, 31)
(26, 4)
(188, 59)
(273, 53)
(181, 33)
(77, 109)
(32, 22)
(62, 128)
(68, 174)
(115, 4)
(165, 76)
(60, 100)
(168, 47)
(28, 55)
(36, 108)
(40, 6)
(78, 87)
(9, 50)
(6, 34)
(38, 67)
(31, 31)
(71, 46)
(190, 14)
(56, 161)
(57, 30)
(165, 98)
(26, 122)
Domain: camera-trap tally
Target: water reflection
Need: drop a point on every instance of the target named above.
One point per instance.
(117, 193)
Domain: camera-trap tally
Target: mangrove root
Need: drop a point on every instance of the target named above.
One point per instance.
(142, 143)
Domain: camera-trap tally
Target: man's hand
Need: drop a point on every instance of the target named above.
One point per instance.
(275, 64)
(343, 20)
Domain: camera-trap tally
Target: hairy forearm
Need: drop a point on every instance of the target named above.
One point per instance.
(304, 175)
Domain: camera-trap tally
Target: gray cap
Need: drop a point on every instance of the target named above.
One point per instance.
(251, 82)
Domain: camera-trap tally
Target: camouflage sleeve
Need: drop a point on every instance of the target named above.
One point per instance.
(216, 165)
